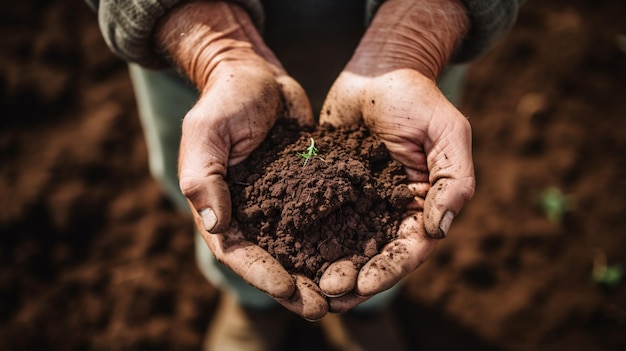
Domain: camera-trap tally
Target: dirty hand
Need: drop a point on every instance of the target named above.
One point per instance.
(243, 89)
(389, 84)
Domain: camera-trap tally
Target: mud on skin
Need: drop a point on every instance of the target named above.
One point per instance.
(345, 202)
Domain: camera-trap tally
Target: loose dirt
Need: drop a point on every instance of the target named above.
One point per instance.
(346, 202)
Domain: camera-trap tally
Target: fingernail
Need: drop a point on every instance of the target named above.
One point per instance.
(445, 223)
(334, 295)
(209, 220)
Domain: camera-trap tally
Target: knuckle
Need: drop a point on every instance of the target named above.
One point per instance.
(190, 187)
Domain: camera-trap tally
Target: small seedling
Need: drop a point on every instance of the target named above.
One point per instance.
(603, 273)
(311, 152)
(555, 204)
(608, 275)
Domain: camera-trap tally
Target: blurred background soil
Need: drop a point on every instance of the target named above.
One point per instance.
(93, 256)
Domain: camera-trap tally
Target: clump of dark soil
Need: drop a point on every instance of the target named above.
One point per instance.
(345, 202)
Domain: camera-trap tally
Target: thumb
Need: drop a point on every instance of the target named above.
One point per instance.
(297, 104)
(210, 198)
(444, 201)
(451, 177)
(202, 168)
(342, 104)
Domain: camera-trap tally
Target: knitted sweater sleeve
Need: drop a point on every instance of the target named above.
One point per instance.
(127, 26)
(490, 20)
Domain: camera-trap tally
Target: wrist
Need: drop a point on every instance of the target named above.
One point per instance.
(200, 35)
(407, 34)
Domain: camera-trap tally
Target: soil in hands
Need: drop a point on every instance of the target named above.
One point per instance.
(346, 202)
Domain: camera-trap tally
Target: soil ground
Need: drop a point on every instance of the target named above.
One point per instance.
(93, 256)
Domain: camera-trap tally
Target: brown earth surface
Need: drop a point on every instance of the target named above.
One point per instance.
(93, 256)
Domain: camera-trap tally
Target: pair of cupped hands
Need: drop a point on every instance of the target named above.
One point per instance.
(389, 84)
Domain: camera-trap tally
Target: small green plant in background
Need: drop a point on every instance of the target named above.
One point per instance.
(311, 152)
(555, 204)
(603, 273)
(608, 275)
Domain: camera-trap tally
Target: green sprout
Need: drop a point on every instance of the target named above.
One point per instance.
(555, 204)
(311, 151)
(608, 275)
(603, 273)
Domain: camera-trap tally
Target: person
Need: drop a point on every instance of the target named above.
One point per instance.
(223, 65)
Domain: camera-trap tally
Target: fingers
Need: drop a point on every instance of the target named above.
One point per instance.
(339, 278)
(255, 265)
(259, 269)
(396, 259)
(307, 300)
(345, 303)
(420, 190)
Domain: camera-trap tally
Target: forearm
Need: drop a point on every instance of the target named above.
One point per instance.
(199, 35)
(490, 20)
(420, 35)
(128, 26)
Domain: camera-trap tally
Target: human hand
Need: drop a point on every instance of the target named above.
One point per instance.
(389, 84)
(431, 138)
(214, 138)
(243, 90)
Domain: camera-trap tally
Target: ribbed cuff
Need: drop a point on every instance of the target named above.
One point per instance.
(128, 27)
(490, 20)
